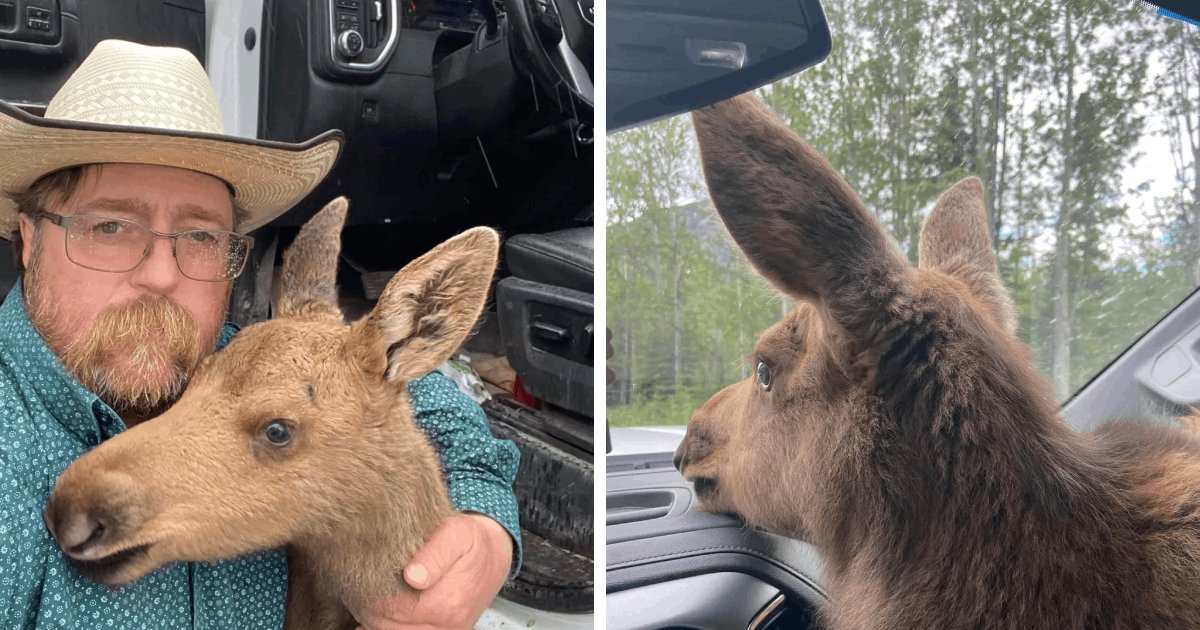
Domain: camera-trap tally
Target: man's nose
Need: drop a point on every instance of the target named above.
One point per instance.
(158, 272)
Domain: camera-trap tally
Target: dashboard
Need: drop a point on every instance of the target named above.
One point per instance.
(670, 566)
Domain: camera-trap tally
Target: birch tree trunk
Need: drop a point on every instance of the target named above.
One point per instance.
(1061, 284)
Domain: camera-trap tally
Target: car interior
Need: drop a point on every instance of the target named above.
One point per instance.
(456, 113)
(680, 568)
(671, 566)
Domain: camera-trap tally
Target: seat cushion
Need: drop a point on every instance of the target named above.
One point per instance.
(562, 258)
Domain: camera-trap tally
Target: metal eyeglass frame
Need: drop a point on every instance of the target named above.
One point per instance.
(63, 221)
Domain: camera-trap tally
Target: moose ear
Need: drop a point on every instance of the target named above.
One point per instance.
(797, 221)
(429, 308)
(308, 281)
(956, 241)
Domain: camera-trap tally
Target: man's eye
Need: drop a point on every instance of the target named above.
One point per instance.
(108, 228)
(202, 237)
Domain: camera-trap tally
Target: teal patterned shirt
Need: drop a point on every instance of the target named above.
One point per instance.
(48, 419)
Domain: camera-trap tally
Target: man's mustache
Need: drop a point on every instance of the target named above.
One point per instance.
(138, 356)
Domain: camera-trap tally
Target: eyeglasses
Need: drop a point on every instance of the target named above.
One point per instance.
(118, 246)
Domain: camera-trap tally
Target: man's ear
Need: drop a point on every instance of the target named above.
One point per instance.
(25, 224)
(955, 240)
(428, 308)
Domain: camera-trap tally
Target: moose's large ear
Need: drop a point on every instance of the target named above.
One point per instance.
(308, 281)
(796, 219)
(428, 308)
(955, 240)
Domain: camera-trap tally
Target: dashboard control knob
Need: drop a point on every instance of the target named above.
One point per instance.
(350, 43)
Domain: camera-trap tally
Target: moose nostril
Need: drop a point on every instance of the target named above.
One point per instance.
(76, 533)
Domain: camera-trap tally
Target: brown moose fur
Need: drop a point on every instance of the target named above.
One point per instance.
(356, 491)
(921, 453)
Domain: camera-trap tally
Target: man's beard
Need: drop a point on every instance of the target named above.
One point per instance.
(138, 356)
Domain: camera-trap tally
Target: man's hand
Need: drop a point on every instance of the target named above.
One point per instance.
(456, 575)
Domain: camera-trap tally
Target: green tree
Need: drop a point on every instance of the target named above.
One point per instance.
(1048, 104)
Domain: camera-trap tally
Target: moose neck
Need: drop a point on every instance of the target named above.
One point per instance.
(966, 466)
(358, 557)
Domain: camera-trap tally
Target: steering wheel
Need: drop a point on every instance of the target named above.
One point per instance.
(554, 41)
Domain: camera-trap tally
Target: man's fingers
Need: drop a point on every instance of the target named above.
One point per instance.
(449, 543)
(417, 576)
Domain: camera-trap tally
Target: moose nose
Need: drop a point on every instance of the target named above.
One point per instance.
(679, 453)
(75, 531)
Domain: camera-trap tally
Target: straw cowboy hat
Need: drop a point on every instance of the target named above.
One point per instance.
(139, 104)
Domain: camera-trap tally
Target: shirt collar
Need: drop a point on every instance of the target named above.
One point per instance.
(41, 374)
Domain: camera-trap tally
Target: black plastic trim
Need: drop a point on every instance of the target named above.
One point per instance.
(690, 543)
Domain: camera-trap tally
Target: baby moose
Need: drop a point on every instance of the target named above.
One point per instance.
(299, 434)
(923, 455)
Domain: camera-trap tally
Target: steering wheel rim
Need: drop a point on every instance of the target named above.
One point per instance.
(541, 34)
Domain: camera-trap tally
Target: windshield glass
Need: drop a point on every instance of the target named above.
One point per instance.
(1082, 119)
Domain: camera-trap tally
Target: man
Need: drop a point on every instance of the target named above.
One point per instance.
(126, 206)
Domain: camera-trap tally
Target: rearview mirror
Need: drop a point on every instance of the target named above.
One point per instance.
(667, 57)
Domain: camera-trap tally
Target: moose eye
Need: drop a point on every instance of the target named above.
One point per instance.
(278, 433)
(764, 376)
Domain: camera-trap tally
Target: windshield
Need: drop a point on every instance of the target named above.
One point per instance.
(1082, 119)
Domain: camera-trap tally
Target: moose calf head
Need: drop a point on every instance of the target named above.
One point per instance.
(862, 341)
(287, 433)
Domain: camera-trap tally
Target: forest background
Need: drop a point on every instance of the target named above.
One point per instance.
(1081, 117)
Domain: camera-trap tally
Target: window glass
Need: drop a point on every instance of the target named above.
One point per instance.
(1082, 119)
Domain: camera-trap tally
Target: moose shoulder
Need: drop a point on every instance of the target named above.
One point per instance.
(300, 433)
(925, 457)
